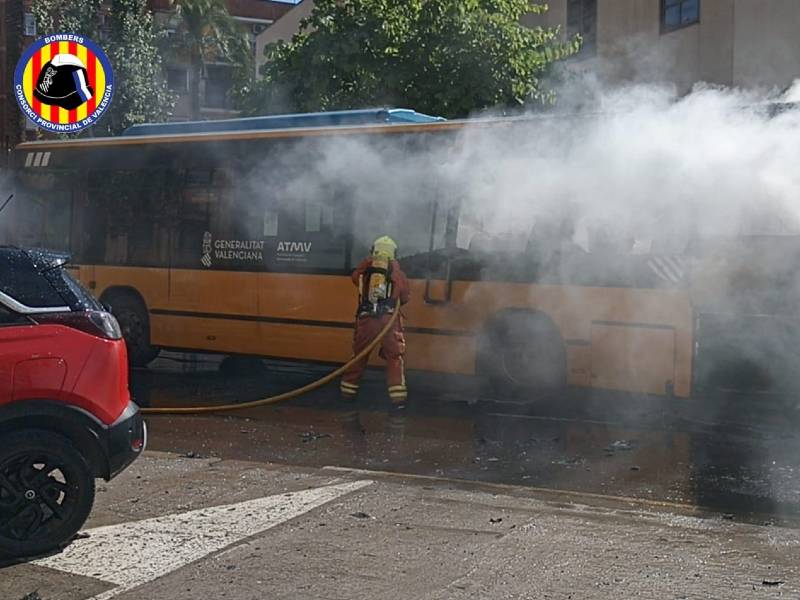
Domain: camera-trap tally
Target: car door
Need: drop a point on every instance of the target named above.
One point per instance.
(15, 331)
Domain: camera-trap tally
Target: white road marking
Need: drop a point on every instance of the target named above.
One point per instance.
(131, 554)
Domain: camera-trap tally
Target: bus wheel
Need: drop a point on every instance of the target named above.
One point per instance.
(522, 355)
(131, 313)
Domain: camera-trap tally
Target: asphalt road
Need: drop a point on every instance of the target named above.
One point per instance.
(462, 496)
(181, 528)
(737, 454)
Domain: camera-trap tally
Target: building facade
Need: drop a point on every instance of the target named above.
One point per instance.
(741, 43)
(284, 29)
(254, 17)
(17, 30)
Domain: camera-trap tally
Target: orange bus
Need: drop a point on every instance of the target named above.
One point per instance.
(238, 237)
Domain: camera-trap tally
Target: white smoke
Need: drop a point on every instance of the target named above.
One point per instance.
(643, 165)
(648, 163)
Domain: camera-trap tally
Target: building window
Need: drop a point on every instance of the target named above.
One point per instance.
(29, 25)
(582, 20)
(679, 13)
(177, 79)
(219, 80)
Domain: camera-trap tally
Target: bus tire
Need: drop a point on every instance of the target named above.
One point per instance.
(522, 354)
(131, 312)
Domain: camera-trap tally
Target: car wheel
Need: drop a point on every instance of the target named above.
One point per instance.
(132, 316)
(522, 355)
(46, 492)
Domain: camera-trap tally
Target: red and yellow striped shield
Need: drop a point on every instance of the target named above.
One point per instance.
(63, 82)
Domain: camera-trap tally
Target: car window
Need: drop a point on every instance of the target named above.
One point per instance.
(22, 282)
(83, 298)
(34, 292)
(8, 317)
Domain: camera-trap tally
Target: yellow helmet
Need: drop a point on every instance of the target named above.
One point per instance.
(384, 246)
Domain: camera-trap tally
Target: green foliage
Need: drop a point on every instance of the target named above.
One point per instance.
(207, 32)
(208, 29)
(140, 93)
(68, 16)
(444, 57)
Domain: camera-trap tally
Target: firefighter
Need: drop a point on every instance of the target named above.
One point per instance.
(381, 283)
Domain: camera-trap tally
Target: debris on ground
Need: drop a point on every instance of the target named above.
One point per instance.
(570, 461)
(32, 596)
(191, 454)
(310, 436)
(635, 468)
(360, 515)
(772, 582)
(621, 446)
(496, 520)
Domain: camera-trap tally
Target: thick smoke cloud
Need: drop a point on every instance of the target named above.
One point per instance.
(644, 170)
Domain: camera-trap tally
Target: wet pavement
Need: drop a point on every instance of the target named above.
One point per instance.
(733, 454)
(180, 528)
(461, 496)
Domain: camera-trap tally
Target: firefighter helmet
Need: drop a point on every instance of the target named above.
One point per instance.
(384, 246)
(63, 82)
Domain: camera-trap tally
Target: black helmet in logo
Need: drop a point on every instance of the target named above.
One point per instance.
(63, 82)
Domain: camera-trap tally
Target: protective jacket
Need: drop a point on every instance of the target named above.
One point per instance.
(370, 321)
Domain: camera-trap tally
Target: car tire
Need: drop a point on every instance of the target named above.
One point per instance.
(131, 313)
(522, 355)
(47, 491)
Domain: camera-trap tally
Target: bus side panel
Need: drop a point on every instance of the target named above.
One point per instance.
(574, 310)
(312, 317)
(287, 296)
(222, 292)
(633, 358)
(151, 283)
(448, 353)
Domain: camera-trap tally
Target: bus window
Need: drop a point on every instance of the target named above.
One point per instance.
(408, 222)
(270, 223)
(312, 234)
(43, 211)
(206, 231)
(193, 223)
(313, 217)
(296, 225)
(128, 213)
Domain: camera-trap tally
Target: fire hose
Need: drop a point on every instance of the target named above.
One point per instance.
(178, 410)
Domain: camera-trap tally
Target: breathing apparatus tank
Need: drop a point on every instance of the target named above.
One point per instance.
(376, 285)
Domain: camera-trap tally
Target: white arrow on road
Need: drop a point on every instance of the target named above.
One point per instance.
(131, 554)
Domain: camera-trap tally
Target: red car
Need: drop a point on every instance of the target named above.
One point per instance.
(66, 416)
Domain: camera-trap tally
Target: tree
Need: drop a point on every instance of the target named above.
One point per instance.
(68, 16)
(142, 95)
(445, 57)
(206, 32)
(130, 40)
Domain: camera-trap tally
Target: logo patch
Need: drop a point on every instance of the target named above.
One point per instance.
(63, 82)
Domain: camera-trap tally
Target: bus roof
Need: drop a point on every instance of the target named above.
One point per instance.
(387, 120)
(288, 121)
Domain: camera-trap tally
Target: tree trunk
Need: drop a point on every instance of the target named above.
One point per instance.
(194, 90)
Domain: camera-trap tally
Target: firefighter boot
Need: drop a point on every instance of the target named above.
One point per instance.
(348, 391)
